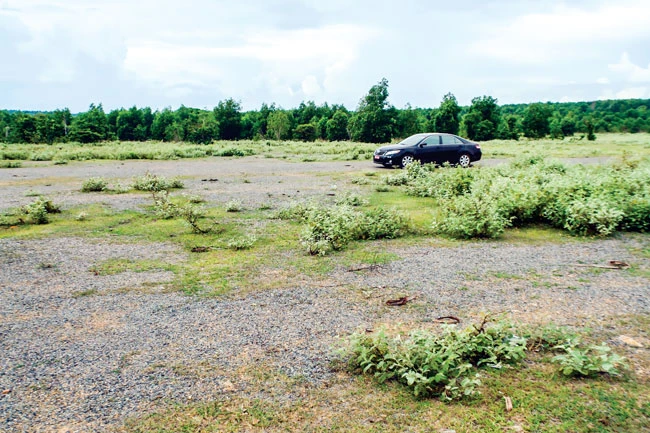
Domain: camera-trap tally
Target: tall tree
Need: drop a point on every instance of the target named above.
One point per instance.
(374, 120)
(447, 116)
(482, 119)
(535, 123)
(337, 126)
(228, 114)
(91, 126)
(278, 124)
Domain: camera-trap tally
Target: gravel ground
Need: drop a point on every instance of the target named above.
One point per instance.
(83, 352)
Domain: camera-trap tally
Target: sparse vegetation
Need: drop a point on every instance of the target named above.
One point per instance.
(152, 182)
(94, 184)
(446, 364)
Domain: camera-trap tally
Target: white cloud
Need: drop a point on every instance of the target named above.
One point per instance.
(602, 80)
(628, 93)
(310, 86)
(541, 37)
(280, 58)
(630, 71)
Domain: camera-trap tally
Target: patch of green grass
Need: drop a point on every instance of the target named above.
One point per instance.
(506, 276)
(84, 293)
(118, 266)
(542, 402)
(419, 210)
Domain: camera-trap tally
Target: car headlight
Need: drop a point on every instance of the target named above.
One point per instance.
(392, 152)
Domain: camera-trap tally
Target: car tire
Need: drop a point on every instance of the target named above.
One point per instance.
(464, 160)
(406, 160)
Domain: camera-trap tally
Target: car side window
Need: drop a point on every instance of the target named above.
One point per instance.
(431, 140)
(448, 139)
(457, 141)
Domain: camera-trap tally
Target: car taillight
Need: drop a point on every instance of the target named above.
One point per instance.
(478, 146)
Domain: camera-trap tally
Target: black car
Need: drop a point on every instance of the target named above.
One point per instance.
(435, 148)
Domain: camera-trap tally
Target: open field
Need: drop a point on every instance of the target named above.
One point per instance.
(610, 144)
(115, 317)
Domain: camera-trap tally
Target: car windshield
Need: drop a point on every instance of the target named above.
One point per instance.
(412, 140)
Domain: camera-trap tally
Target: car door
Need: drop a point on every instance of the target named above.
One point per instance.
(429, 148)
(450, 148)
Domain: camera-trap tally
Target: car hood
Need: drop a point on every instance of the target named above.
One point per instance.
(393, 147)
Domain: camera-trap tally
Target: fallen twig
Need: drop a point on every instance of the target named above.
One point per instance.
(613, 264)
(365, 268)
(446, 320)
(508, 403)
(401, 301)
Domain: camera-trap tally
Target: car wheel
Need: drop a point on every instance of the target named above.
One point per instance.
(406, 160)
(464, 160)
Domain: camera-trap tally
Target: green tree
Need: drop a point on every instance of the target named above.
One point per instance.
(482, 119)
(129, 125)
(278, 124)
(535, 123)
(447, 116)
(305, 132)
(228, 114)
(568, 125)
(374, 120)
(508, 128)
(337, 126)
(201, 128)
(555, 127)
(407, 122)
(91, 126)
(161, 121)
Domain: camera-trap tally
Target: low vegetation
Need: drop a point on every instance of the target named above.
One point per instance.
(446, 364)
(584, 200)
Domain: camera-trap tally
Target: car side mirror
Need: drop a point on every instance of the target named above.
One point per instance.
(422, 144)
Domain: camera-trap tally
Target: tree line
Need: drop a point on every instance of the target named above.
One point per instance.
(375, 121)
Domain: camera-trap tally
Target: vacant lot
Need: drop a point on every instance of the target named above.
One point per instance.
(115, 319)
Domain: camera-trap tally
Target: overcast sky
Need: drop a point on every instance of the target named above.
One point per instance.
(159, 53)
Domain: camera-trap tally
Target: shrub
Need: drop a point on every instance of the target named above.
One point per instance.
(242, 243)
(10, 164)
(94, 184)
(234, 206)
(593, 216)
(471, 216)
(588, 362)
(429, 364)
(151, 182)
(118, 188)
(333, 228)
(328, 229)
(381, 223)
(39, 210)
(351, 199)
(164, 207)
(294, 211)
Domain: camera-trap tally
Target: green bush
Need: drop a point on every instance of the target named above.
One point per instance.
(588, 362)
(151, 182)
(234, 206)
(94, 184)
(429, 364)
(471, 216)
(585, 200)
(328, 229)
(333, 228)
(592, 216)
(10, 164)
(38, 211)
(242, 243)
(351, 199)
